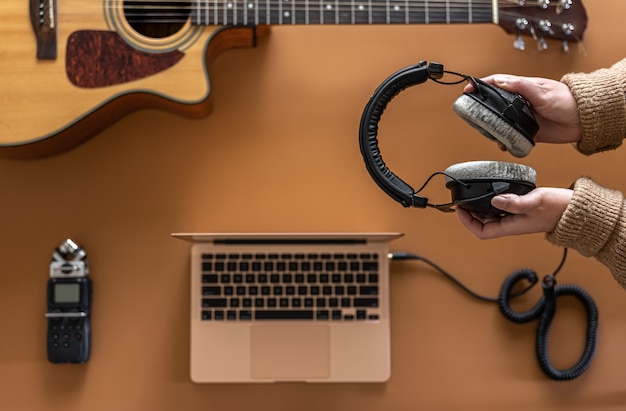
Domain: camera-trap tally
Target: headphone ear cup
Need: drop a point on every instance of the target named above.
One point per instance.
(490, 170)
(473, 184)
(492, 125)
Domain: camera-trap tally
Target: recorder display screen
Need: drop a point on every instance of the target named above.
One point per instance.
(66, 293)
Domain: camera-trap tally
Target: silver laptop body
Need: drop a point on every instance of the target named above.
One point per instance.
(274, 307)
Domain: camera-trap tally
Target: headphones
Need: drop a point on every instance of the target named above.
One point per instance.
(497, 114)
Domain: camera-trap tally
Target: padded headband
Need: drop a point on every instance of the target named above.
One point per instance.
(390, 183)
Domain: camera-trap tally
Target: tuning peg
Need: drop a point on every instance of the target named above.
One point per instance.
(519, 43)
(563, 5)
(541, 44)
(565, 46)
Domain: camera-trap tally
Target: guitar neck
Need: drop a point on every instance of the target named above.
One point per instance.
(276, 12)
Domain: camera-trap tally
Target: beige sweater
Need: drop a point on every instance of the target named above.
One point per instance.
(594, 223)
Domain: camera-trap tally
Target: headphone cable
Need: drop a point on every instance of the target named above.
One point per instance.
(544, 309)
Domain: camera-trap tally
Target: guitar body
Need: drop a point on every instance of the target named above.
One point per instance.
(103, 70)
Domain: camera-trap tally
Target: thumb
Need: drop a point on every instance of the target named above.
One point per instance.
(511, 203)
(508, 82)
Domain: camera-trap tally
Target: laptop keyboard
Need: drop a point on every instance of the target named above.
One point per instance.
(290, 286)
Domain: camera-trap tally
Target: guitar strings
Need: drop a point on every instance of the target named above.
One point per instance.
(223, 9)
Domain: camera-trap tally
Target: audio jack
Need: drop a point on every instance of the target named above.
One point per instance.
(544, 310)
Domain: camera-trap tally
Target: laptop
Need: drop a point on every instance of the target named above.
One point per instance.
(289, 307)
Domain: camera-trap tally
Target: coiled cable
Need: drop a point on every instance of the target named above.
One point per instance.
(544, 310)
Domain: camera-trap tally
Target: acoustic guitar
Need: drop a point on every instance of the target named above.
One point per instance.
(70, 68)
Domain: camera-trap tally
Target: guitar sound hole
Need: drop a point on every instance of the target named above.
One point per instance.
(156, 19)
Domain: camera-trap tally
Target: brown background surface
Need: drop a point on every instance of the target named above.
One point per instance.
(280, 153)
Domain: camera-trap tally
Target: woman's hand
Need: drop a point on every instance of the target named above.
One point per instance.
(536, 212)
(552, 102)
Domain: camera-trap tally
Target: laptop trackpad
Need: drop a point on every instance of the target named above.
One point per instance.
(290, 351)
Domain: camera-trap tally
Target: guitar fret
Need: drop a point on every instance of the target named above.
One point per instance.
(269, 12)
(299, 13)
(387, 11)
(361, 12)
(327, 11)
(398, 12)
(407, 15)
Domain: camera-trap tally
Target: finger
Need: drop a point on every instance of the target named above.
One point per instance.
(511, 203)
(474, 225)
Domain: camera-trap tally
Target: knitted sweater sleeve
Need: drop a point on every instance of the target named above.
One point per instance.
(594, 224)
(601, 99)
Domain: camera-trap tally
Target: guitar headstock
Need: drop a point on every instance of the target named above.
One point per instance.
(565, 20)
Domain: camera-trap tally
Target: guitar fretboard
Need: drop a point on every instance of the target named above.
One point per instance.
(275, 12)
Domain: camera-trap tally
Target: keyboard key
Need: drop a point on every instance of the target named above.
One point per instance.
(322, 315)
(366, 302)
(368, 290)
(214, 302)
(217, 290)
(370, 266)
(283, 315)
